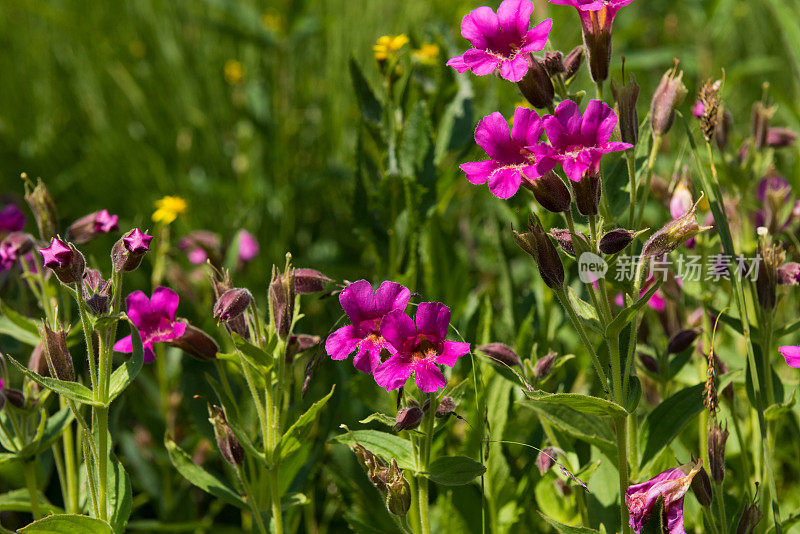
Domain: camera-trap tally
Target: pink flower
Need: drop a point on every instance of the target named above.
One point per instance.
(198, 244)
(11, 219)
(154, 318)
(791, 355)
(580, 143)
(698, 109)
(512, 158)
(248, 246)
(104, 222)
(365, 308)
(90, 226)
(502, 40)
(418, 347)
(57, 256)
(137, 242)
(671, 486)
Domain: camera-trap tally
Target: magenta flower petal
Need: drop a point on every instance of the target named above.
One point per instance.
(457, 62)
(481, 62)
(515, 15)
(427, 376)
(154, 318)
(164, 302)
(514, 69)
(57, 256)
(505, 182)
(527, 127)
(791, 354)
(342, 342)
(393, 373)
(104, 222)
(432, 320)
(398, 329)
(358, 301)
(479, 172)
(598, 123)
(479, 25)
(493, 137)
(368, 356)
(451, 352)
(537, 36)
(138, 306)
(391, 296)
(124, 345)
(11, 219)
(248, 246)
(671, 486)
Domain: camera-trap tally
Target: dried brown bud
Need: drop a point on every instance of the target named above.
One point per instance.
(550, 191)
(615, 241)
(668, 96)
(573, 62)
(447, 406)
(398, 491)
(762, 116)
(228, 444)
(543, 365)
(717, 437)
(281, 295)
(536, 243)
(701, 487)
(554, 63)
(674, 234)
(42, 206)
(750, 518)
(682, 341)
(723, 129)
(502, 354)
(563, 238)
(626, 97)
(536, 86)
(772, 257)
(54, 344)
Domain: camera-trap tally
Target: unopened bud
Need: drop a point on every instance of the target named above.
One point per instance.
(682, 341)
(42, 206)
(544, 365)
(723, 129)
(762, 116)
(54, 345)
(14, 397)
(587, 193)
(17, 244)
(398, 491)
(616, 241)
(90, 226)
(717, 437)
(309, 281)
(772, 257)
(127, 253)
(674, 234)
(408, 418)
(573, 62)
(281, 295)
(232, 304)
(447, 406)
(96, 292)
(626, 97)
(536, 86)
(221, 283)
(536, 243)
(550, 191)
(66, 262)
(38, 362)
(546, 459)
(781, 137)
(701, 487)
(668, 96)
(681, 200)
(649, 363)
(228, 444)
(564, 239)
(196, 343)
(502, 354)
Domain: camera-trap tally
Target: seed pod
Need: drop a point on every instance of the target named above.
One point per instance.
(546, 459)
(682, 341)
(536, 86)
(408, 418)
(281, 295)
(772, 257)
(750, 518)
(587, 193)
(536, 243)
(781, 137)
(42, 206)
(616, 241)
(668, 96)
(232, 304)
(717, 437)
(762, 115)
(674, 234)
(626, 97)
(502, 354)
(372, 465)
(701, 487)
(573, 62)
(196, 343)
(543, 365)
(127, 253)
(447, 406)
(398, 490)
(550, 191)
(228, 444)
(54, 345)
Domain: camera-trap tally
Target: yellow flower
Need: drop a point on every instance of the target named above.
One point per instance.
(272, 21)
(168, 208)
(427, 54)
(389, 45)
(234, 72)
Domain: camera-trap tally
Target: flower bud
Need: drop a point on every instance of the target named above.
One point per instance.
(701, 487)
(716, 451)
(398, 490)
(682, 341)
(564, 239)
(447, 406)
(42, 206)
(90, 226)
(668, 96)
(18, 244)
(762, 115)
(649, 363)
(781, 137)
(281, 295)
(772, 257)
(502, 354)
(674, 234)
(300, 343)
(543, 365)
(228, 444)
(536, 86)
(626, 97)
(573, 62)
(789, 274)
(408, 418)
(536, 243)
(587, 193)
(681, 200)
(14, 396)
(546, 459)
(372, 465)
(750, 518)
(232, 304)
(54, 345)
(616, 241)
(554, 63)
(221, 283)
(127, 253)
(308, 281)
(550, 191)
(64, 260)
(196, 343)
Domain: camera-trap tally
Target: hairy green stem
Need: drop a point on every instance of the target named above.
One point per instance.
(248, 493)
(651, 162)
(425, 459)
(576, 322)
(29, 468)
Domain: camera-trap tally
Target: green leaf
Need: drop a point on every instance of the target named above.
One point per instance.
(254, 355)
(582, 403)
(561, 528)
(455, 470)
(200, 477)
(122, 377)
(104, 321)
(776, 411)
(120, 495)
(20, 501)
(71, 390)
(15, 325)
(6, 457)
(381, 418)
(67, 524)
(416, 140)
(368, 103)
(624, 317)
(589, 428)
(634, 394)
(293, 499)
(293, 438)
(664, 423)
(584, 310)
(385, 445)
(53, 427)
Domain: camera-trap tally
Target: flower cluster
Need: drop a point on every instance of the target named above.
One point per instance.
(381, 327)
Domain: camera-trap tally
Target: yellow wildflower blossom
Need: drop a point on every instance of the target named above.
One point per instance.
(168, 208)
(427, 54)
(389, 45)
(234, 71)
